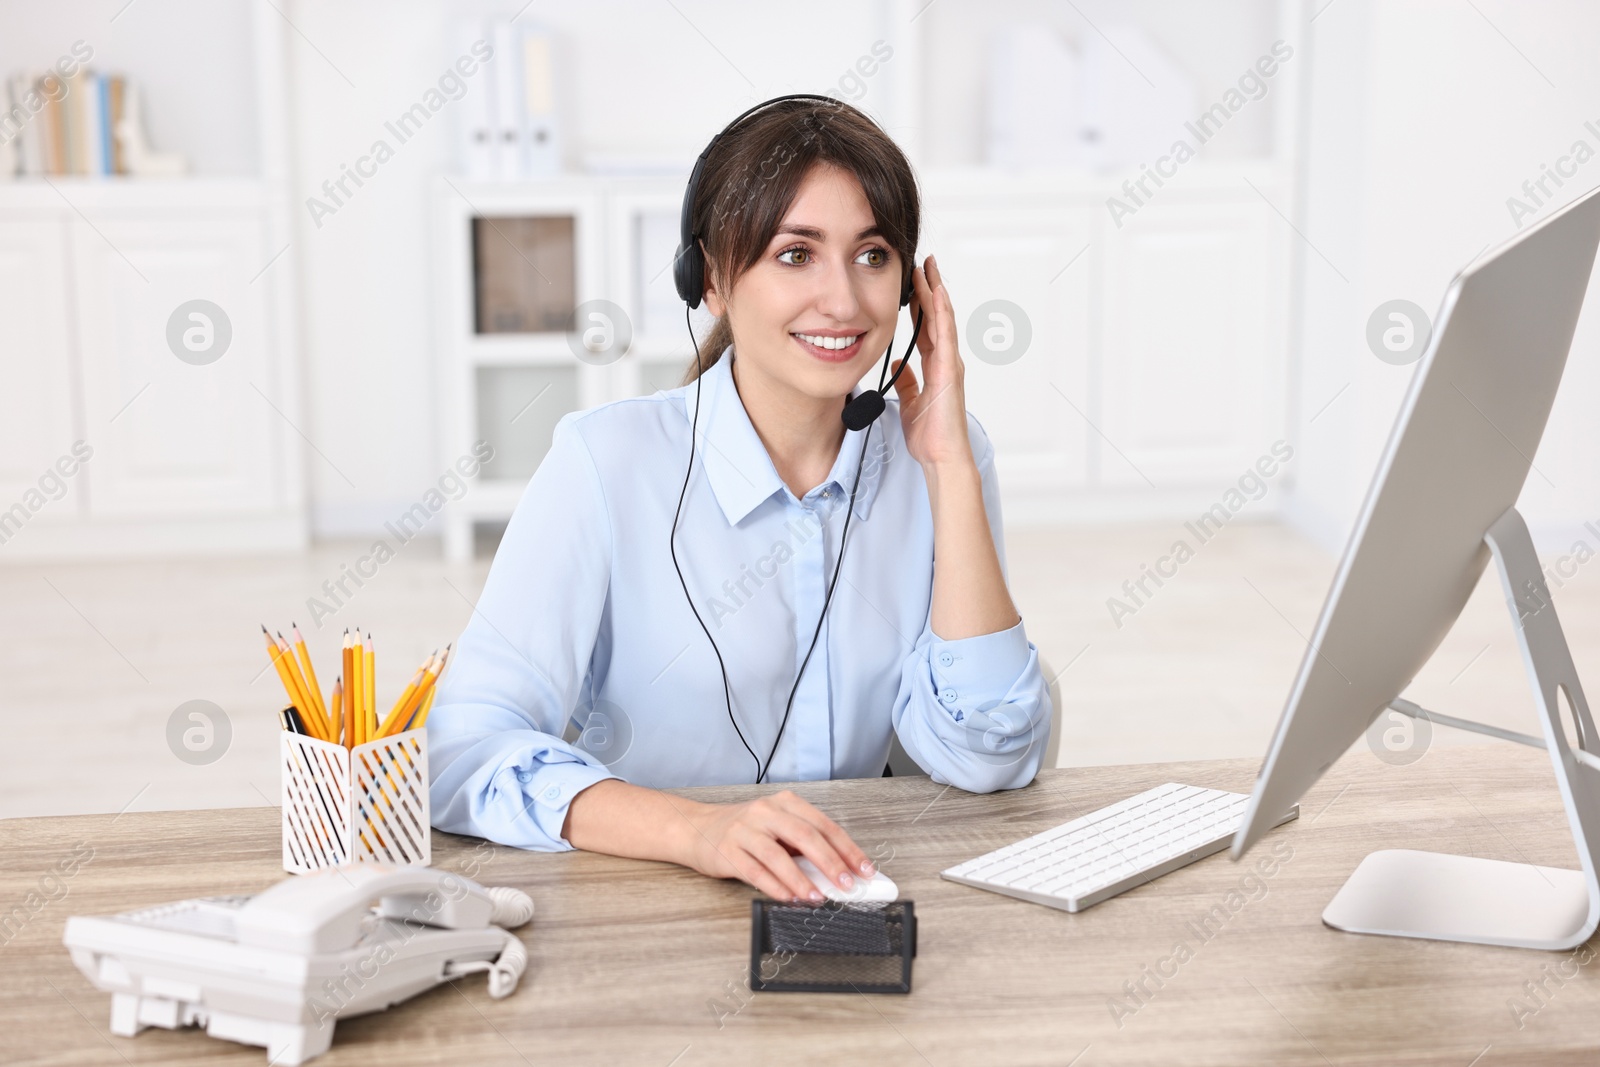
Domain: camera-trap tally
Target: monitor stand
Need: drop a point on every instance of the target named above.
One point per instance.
(1406, 893)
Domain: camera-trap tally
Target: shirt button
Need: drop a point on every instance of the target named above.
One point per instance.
(948, 696)
(827, 492)
(553, 792)
(945, 659)
(523, 776)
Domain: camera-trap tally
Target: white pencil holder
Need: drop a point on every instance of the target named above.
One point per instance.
(369, 803)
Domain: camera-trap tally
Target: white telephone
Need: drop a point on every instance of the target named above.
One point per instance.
(277, 969)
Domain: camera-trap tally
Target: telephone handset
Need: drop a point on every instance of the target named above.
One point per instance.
(324, 911)
(280, 968)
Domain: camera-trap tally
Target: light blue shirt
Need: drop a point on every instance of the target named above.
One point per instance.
(582, 620)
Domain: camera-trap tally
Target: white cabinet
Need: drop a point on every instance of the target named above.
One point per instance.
(37, 424)
(1155, 370)
(186, 454)
(175, 438)
(1190, 370)
(1031, 252)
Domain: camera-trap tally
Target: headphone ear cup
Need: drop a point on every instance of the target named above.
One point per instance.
(688, 274)
(905, 290)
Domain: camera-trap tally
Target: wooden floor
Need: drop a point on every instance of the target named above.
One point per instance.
(98, 657)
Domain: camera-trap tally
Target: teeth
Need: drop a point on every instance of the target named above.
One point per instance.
(829, 342)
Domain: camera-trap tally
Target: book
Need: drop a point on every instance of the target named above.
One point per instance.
(51, 125)
(51, 122)
(92, 132)
(116, 97)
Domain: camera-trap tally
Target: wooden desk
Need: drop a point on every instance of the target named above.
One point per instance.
(643, 963)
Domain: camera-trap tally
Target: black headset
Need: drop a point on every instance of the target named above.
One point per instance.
(860, 411)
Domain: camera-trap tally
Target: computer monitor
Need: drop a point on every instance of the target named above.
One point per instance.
(1453, 467)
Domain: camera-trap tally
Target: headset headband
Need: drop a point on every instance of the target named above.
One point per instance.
(688, 265)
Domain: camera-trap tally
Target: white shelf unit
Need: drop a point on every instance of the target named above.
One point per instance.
(186, 459)
(508, 388)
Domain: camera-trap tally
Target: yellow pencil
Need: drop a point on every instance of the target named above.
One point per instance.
(309, 709)
(393, 718)
(422, 712)
(369, 724)
(357, 652)
(349, 680)
(308, 671)
(422, 716)
(336, 706)
(424, 692)
(290, 685)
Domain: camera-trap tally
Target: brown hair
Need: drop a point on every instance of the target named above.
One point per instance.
(755, 171)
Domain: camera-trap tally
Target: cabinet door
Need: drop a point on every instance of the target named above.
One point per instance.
(1190, 375)
(36, 409)
(1037, 258)
(182, 436)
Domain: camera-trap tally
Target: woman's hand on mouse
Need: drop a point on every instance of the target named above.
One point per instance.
(933, 412)
(755, 841)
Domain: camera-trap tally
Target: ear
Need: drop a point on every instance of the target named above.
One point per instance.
(712, 299)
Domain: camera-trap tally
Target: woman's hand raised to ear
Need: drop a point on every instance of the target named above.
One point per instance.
(933, 411)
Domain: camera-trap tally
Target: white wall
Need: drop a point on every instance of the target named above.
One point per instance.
(1423, 118)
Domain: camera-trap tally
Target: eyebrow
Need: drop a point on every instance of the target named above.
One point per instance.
(816, 235)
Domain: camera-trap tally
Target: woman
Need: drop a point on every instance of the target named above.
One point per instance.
(808, 217)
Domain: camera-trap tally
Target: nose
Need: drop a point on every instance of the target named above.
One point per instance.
(838, 297)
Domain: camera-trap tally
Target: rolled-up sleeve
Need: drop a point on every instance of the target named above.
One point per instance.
(975, 712)
(498, 767)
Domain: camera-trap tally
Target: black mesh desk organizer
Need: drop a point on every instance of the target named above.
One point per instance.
(834, 947)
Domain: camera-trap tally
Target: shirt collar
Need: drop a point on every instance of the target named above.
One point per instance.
(737, 464)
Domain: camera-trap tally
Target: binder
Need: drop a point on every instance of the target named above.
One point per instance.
(540, 142)
(508, 100)
(480, 152)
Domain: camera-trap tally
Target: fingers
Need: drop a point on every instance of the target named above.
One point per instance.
(824, 841)
(763, 865)
(923, 300)
(757, 846)
(784, 871)
(905, 386)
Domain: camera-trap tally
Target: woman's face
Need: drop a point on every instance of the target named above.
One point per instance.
(818, 309)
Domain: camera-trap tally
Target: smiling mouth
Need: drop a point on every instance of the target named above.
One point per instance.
(831, 349)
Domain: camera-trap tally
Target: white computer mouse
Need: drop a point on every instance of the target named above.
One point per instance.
(879, 889)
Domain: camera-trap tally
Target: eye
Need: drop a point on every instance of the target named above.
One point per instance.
(802, 249)
(881, 253)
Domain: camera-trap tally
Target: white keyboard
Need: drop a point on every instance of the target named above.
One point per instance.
(1082, 862)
